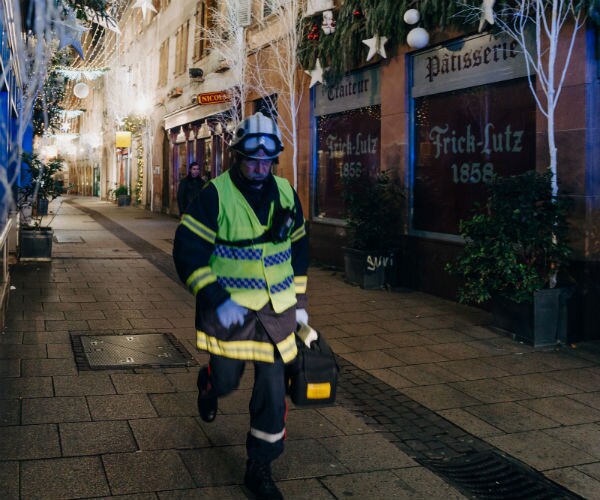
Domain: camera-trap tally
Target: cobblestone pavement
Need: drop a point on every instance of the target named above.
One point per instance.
(424, 385)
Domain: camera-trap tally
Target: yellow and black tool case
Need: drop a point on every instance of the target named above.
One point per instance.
(312, 376)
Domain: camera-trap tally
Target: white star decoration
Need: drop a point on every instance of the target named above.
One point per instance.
(376, 46)
(145, 5)
(69, 32)
(107, 22)
(487, 13)
(316, 74)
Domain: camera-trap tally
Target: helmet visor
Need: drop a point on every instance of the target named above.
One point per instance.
(253, 143)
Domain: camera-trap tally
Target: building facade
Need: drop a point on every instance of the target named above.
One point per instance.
(444, 119)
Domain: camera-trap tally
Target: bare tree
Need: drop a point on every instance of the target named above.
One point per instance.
(225, 38)
(274, 68)
(262, 61)
(540, 27)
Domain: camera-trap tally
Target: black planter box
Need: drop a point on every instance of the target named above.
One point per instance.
(369, 269)
(123, 200)
(541, 323)
(35, 244)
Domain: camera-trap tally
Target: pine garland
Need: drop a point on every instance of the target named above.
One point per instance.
(139, 185)
(344, 51)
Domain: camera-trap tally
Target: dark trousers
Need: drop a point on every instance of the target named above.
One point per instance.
(268, 406)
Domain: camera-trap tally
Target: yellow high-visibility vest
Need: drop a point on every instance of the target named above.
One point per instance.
(259, 272)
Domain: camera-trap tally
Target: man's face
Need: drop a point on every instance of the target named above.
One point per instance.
(195, 171)
(255, 170)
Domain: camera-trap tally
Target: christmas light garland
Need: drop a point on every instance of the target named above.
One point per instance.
(135, 124)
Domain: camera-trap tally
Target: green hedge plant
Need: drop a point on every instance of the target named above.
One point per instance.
(42, 185)
(373, 211)
(516, 243)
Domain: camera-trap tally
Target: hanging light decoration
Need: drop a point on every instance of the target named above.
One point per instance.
(81, 90)
(417, 38)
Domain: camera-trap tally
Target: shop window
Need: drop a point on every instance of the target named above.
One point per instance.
(347, 146)
(347, 137)
(473, 117)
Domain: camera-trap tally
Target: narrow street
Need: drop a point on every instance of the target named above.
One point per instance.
(431, 402)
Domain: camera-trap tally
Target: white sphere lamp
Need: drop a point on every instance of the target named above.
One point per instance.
(81, 90)
(412, 16)
(417, 38)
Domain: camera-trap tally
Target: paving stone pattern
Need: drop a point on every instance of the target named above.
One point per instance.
(424, 384)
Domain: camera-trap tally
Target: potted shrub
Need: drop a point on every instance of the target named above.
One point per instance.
(35, 233)
(122, 196)
(514, 256)
(373, 218)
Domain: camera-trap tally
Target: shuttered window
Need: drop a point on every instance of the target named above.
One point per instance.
(163, 64)
(181, 47)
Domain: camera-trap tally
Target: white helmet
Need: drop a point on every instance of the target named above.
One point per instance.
(258, 132)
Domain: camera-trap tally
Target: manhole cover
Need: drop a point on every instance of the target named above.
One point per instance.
(67, 238)
(98, 352)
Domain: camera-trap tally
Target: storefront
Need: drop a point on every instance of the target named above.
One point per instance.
(199, 134)
(347, 129)
(445, 120)
(472, 117)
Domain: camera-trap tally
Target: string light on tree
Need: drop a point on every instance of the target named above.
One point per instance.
(376, 46)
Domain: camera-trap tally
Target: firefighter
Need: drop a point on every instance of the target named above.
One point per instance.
(242, 250)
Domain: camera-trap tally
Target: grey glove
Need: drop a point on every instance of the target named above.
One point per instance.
(231, 313)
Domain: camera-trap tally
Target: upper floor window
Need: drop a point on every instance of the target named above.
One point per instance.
(163, 64)
(203, 22)
(268, 8)
(181, 48)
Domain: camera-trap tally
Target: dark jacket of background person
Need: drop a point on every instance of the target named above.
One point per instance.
(189, 189)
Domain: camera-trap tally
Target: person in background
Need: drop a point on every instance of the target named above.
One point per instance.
(189, 187)
(242, 250)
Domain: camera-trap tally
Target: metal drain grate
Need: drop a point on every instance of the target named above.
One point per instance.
(490, 476)
(473, 466)
(67, 238)
(100, 352)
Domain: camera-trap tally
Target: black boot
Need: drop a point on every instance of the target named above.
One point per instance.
(207, 401)
(259, 481)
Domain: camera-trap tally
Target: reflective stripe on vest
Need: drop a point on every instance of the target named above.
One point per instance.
(255, 274)
(248, 349)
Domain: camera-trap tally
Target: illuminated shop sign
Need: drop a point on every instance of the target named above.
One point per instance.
(213, 97)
